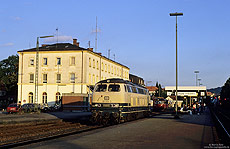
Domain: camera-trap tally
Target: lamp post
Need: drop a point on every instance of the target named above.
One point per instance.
(36, 70)
(196, 72)
(176, 14)
(199, 82)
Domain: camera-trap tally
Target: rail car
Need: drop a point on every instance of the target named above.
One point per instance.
(117, 100)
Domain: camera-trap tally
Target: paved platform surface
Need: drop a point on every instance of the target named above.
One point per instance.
(40, 117)
(161, 131)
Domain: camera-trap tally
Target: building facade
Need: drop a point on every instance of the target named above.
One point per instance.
(63, 68)
(136, 79)
(152, 90)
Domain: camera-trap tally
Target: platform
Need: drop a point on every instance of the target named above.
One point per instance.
(160, 131)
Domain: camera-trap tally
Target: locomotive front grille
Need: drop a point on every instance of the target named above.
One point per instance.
(106, 105)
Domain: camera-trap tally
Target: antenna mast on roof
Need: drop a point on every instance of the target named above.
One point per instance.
(96, 36)
(108, 53)
(57, 37)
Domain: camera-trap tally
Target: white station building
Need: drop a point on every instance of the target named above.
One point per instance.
(63, 68)
(187, 94)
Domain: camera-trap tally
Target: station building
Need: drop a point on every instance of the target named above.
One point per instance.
(187, 94)
(63, 68)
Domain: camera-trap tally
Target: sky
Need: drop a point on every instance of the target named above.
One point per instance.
(140, 33)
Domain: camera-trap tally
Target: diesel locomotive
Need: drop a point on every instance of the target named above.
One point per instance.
(117, 100)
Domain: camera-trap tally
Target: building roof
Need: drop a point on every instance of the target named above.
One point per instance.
(185, 88)
(65, 47)
(56, 47)
(152, 88)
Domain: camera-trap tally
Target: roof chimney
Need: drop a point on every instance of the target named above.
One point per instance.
(91, 49)
(75, 42)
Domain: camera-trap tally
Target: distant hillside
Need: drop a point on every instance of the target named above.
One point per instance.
(215, 90)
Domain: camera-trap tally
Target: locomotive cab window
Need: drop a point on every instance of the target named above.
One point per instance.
(129, 89)
(101, 88)
(134, 89)
(114, 88)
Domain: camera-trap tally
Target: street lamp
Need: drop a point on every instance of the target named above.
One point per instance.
(199, 82)
(36, 71)
(176, 14)
(196, 72)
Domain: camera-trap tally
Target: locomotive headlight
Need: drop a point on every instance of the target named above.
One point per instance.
(115, 105)
(97, 105)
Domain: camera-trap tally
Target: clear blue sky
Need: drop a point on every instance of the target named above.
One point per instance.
(141, 34)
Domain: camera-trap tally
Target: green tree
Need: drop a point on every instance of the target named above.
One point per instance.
(9, 74)
(160, 90)
(225, 91)
(157, 91)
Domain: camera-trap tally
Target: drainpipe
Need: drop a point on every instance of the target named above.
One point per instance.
(81, 70)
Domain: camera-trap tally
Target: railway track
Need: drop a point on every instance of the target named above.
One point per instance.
(18, 135)
(222, 122)
(23, 134)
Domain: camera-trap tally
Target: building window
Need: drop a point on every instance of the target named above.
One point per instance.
(58, 78)
(58, 61)
(72, 61)
(32, 78)
(105, 67)
(31, 97)
(45, 61)
(44, 78)
(72, 77)
(93, 79)
(31, 62)
(102, 66)
(97, 65)
(112, 69)
(58, 97)
(89, 62)
(44, 97)
(109, 68)
(97, 78)
(89, 78)
(93, 63)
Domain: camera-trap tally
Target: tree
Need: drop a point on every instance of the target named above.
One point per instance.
(157, 91)
(225, 92)
(160, 90)
(9, 74)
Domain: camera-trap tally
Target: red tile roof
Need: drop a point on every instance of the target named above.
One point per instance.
(152, 88)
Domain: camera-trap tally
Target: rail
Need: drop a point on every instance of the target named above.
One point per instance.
(221, 127)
